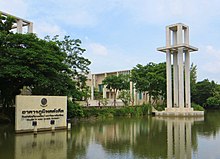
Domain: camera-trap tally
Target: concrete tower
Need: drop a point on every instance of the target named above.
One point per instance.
(178, 49)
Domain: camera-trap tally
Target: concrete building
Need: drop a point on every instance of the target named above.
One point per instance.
(95, 83)
(21, 25)
(177, 46)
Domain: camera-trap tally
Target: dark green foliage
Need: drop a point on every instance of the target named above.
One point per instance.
(74, 110)
(160, 107)
(47, 67)
(151, 79)
(6, 23)
(197, 107)
(214, 101)
(203, 90)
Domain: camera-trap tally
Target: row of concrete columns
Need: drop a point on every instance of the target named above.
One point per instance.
(176, 49)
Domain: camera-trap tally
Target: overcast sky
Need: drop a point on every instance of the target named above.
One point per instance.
(119, 34)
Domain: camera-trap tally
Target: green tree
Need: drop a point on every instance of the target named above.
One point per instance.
(214, 101)
(203, 90)
(193, 78)
(125, 97)
(150, 79)
(48, 67)
(116, 83)
(6, 23)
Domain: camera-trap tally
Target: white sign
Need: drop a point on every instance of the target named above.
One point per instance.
(36, 113)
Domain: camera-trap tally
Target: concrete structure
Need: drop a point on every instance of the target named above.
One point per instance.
(21, 25)
(38, 113)
(95, 83)
(177, 46)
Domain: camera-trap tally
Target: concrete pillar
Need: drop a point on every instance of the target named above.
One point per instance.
(104, 92)
(104, 89)
(19, 26)
(175, 80)
(186, 35)
(92, 88)
(168, 36)
(30, 28)
(181, 80)
(131, 93)
(175, 73)
(168, 70)
(180, 69)
(92, 92)
(169, 79)
(135, 97)
(187, 79)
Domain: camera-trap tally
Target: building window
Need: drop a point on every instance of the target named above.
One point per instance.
(140, 95)
(101, 88)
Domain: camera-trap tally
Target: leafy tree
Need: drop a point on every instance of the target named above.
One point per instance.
(214, 101)
(48, 67)
(6, 23)
(97, 95)
(203, 90)
(116, 83)
(125, 97)
(150, 79)
(104, 101)
(193, 78)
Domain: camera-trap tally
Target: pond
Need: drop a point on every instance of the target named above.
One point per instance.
(119, 138)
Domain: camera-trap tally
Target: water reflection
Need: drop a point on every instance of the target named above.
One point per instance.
(179, 136)
(41, 146)
(122, 138)
(141, 138)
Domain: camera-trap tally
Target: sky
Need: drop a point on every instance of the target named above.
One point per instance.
(119, 34)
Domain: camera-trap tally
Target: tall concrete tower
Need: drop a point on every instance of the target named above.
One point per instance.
(178, 50)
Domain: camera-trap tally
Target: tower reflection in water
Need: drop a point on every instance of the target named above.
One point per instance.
(179, 136)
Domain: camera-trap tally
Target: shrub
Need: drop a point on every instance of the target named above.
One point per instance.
(74, 110)
(160, 107)
(197, 107)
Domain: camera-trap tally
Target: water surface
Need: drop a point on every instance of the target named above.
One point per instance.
(123, 138)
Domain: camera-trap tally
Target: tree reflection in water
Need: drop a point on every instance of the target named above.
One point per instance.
(147, 137)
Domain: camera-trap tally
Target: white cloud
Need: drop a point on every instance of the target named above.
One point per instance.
(212, 62)
(208, 62)
(98, 49)
(43, 29)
